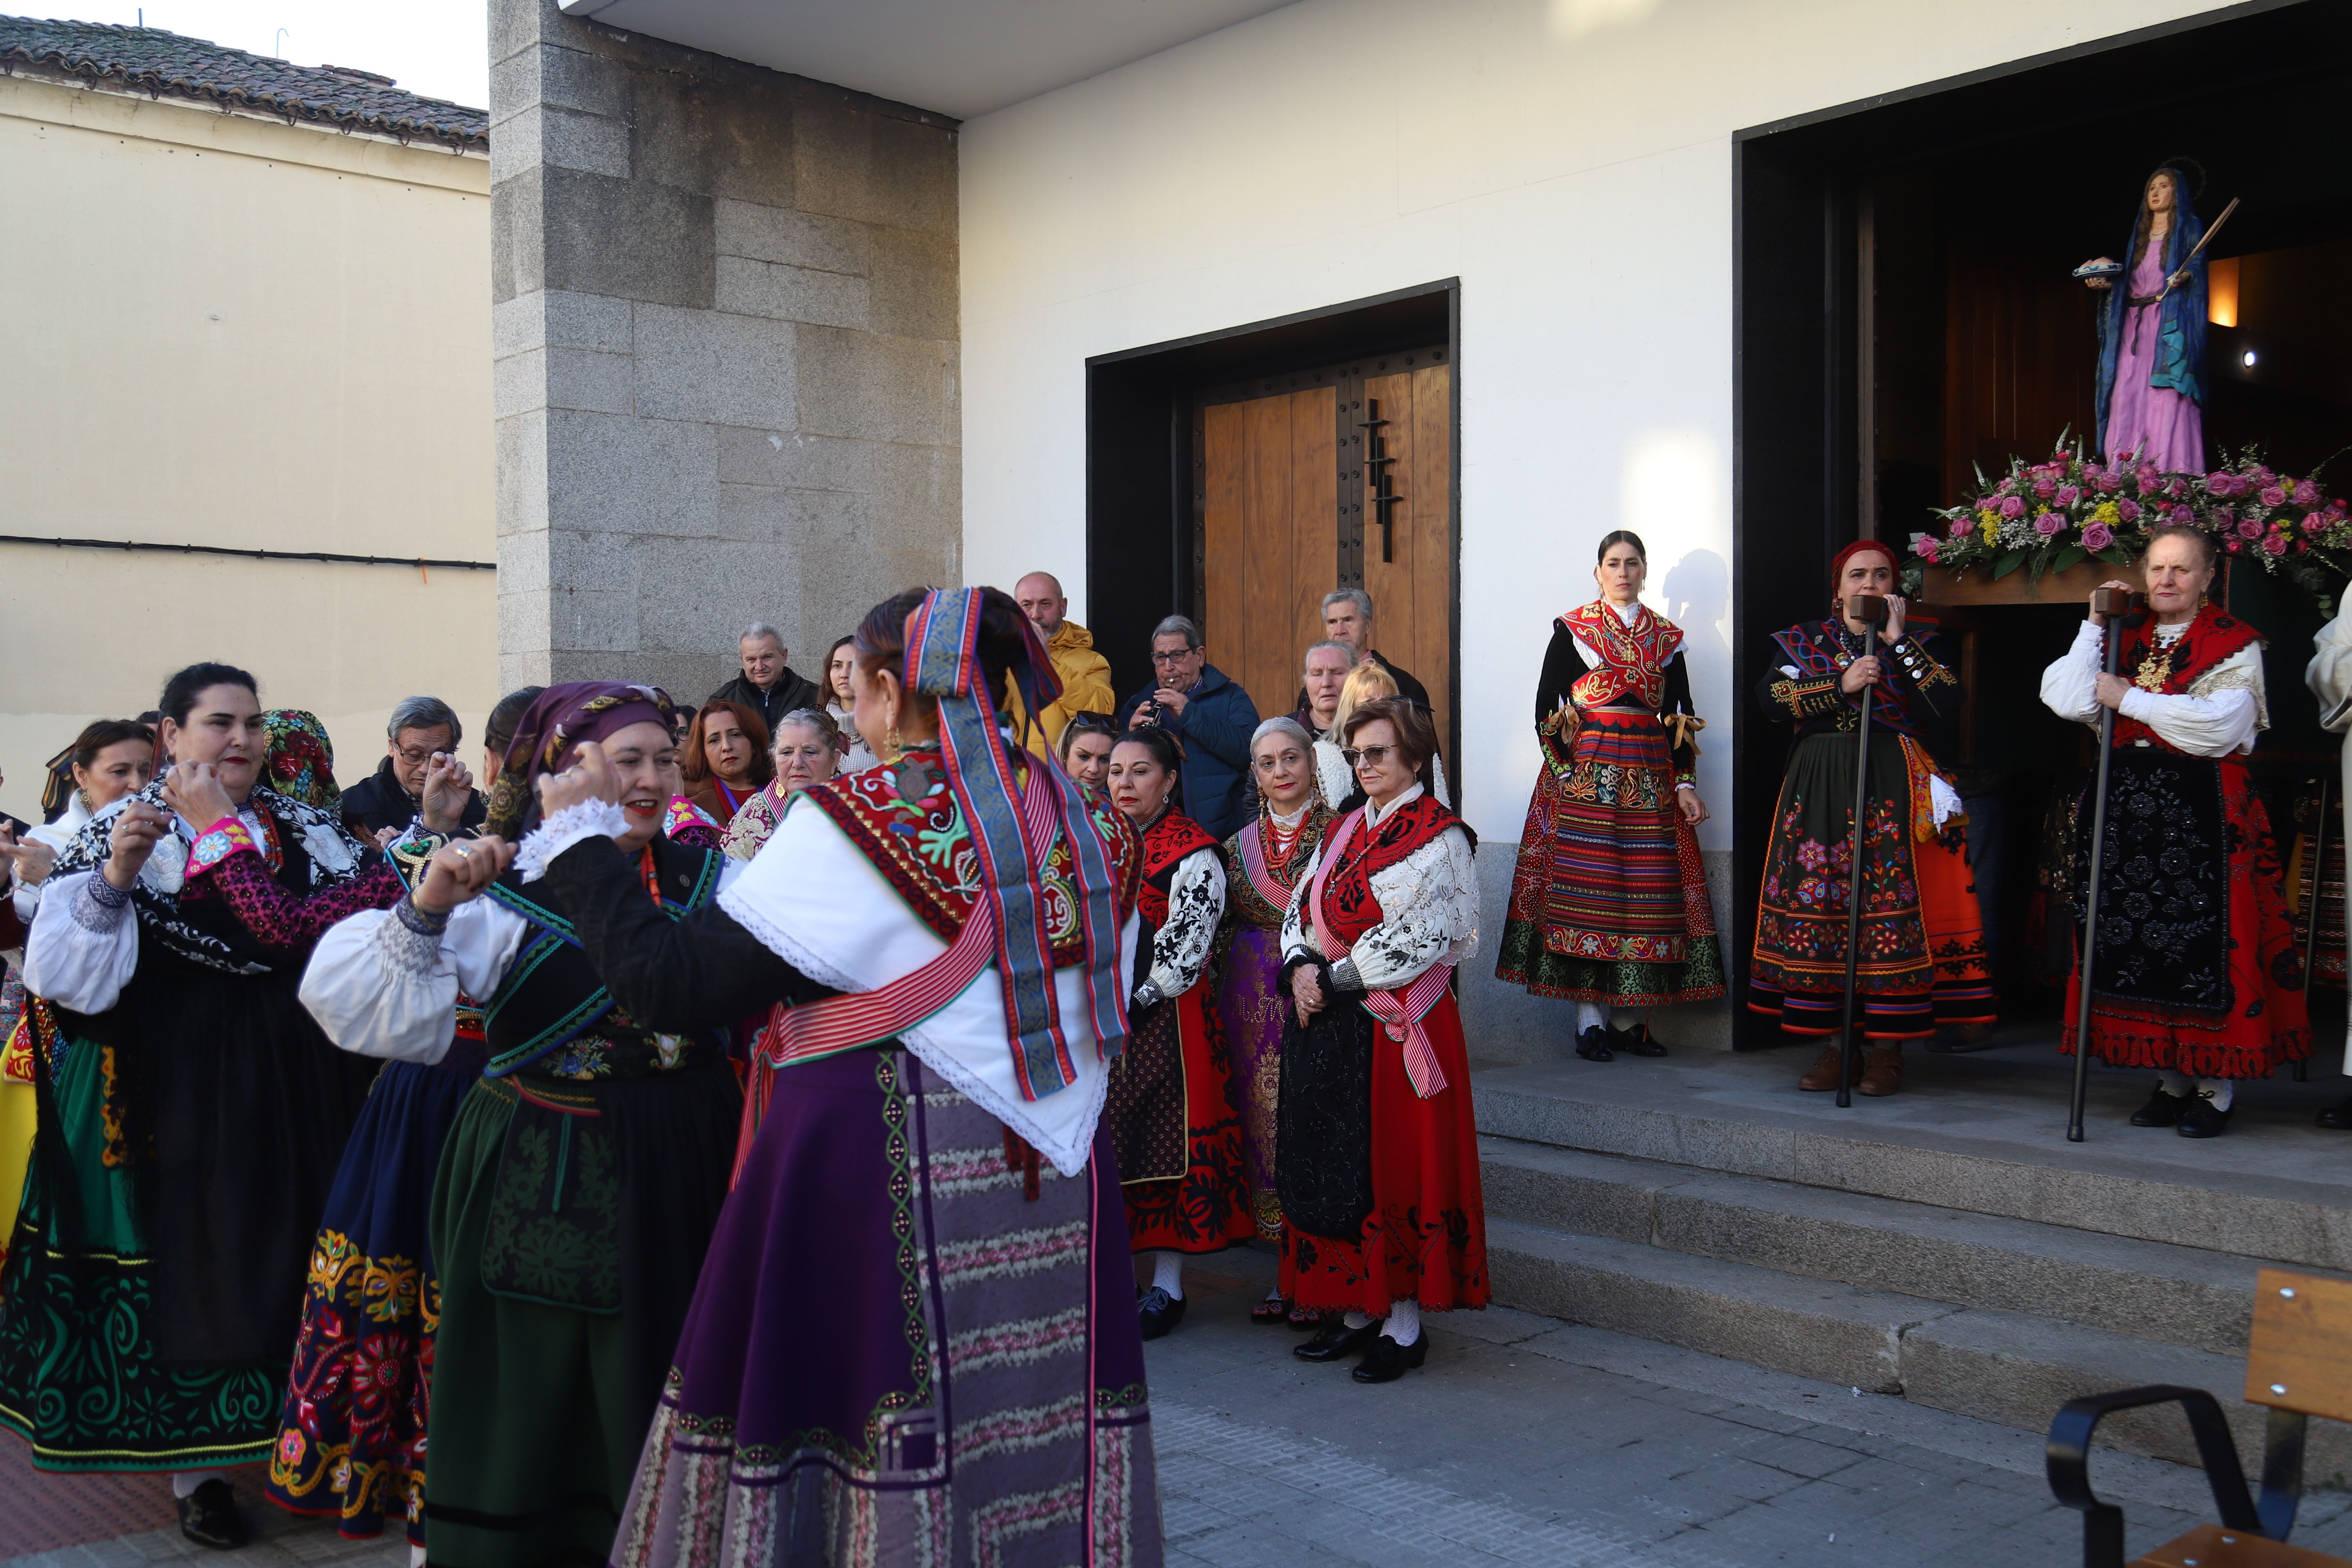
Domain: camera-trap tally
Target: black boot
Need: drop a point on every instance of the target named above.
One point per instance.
(1387, 1361)
(1636, 1041)
(1594, 1045)
(2163, 1108)
(2339, 1117)
(209, 1517)
(1159, 1311)
(2204, 1119)
(1336, 1341)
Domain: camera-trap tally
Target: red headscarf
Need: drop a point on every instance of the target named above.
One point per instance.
(1859, 547)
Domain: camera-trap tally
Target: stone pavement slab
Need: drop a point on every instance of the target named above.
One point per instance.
(1524, 1440)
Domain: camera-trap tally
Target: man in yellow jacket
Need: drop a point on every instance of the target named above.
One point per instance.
(1085, 674)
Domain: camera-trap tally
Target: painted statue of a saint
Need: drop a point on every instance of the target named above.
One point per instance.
(2152, 335)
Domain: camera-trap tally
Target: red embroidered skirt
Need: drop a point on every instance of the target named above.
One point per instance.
(1426, 1239)
(2266, 1022)
(1207, 1209)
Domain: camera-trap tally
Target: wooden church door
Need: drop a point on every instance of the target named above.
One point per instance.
(1306, 482)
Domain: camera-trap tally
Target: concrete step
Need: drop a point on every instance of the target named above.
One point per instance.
(2005, 1367)
(1990, 1146)
(2186, 1296)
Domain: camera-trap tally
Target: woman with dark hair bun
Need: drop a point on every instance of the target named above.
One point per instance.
(1608, 905)
(943, 992)
(1171, 1111)
(199, 1113)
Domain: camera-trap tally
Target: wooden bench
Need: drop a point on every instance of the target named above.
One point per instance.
(2299, 1364)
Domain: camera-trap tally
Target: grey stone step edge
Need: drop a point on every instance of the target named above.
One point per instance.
(2293, 1226)
(2185, 1296)
(2004, 1367)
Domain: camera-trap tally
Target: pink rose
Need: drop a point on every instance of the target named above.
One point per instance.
(2177, 489)
(2233, 547)
(2050, 524)
(2107, 482)
(1962, 527)
(2312, 523)
(2180, 516)
(2262, 474)
(2272, 496)
(2219, 481)
(2128, 509)
(1927, 551)
(2274, 545)
(2145, 477)
(2098, 536)
(2306, 493)
(2046, 487)
(2012, 507)
(2250, 529)
(2069, 494)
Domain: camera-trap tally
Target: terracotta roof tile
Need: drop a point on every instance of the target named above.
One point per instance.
(168, 65)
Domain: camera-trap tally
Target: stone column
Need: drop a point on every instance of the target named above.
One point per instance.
(725, 328)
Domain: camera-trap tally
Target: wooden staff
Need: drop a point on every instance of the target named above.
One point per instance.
(2200, 247)
(2113, 604)
(1870, 609)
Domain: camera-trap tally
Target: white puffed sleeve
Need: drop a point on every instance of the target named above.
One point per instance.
(2070, 686)
(379, 988)
(1429, 912)
(84, 944)
(1196, 902)
(2329, 673)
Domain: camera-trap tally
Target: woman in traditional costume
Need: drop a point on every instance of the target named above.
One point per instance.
(352, 1417)
(1261, 866)
(725, 762)
(2198, 975)
(910, 1342)
(1377, 1150)
(581, 1181)
(1172, 1111)
(192, 1114)
(1923, 960)
(1608, 903)
(807, 750)
(2151, 392)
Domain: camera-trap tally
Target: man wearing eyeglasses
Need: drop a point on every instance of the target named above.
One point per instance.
(419, 727)
(1210, 716)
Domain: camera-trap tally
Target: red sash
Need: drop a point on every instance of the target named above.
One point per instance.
(1261, 875)
(1400, 1011)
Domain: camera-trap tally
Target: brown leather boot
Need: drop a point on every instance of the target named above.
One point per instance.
(1883, 1073)
(1823, 1074)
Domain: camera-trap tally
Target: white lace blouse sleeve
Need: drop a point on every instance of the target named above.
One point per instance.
(84, 943)
(1196, 902)
(2221, 713)
(2069, 687)
(1437, 777)
(380, 987)
(1429, 912)
(1294, 919)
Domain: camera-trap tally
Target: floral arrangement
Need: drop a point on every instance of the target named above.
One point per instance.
(2048, 516)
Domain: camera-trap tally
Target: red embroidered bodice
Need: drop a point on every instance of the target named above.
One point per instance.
(1349, 905)
(1634, 658)
(2211, 638)
(1166, 843)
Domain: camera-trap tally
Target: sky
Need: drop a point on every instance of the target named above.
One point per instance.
(439, 48)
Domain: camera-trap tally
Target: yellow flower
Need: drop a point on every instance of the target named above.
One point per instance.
(1989, 529)
(2106, 512)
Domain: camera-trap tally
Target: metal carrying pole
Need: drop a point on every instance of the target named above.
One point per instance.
(2113, 604)
(2311, 910)
(1871, 609)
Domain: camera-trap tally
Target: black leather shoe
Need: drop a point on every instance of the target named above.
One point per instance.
(1159, 1311)
(2202, 1121)
(2162, 1108)
(1636, 1041)
(2339, 1117)
(1387, 1361)
(1338, 1341)
(1594, 1045)
(209, 1517)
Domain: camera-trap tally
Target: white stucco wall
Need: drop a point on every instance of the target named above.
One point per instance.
(233, 331)
(1568, 160)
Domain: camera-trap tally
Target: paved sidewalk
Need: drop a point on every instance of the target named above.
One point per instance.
(1523, 1441)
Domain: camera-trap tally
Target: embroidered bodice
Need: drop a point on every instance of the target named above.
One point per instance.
(1405, 895)
(1811, 658)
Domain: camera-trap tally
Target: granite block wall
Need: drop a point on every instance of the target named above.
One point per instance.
(726, 344)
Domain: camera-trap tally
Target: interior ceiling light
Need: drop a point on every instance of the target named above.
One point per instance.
(2247, 358)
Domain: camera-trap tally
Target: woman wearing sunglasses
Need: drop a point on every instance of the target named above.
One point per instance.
(1170, 1107)
(1376, 1151)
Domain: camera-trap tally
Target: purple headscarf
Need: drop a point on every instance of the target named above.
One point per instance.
(557, 721)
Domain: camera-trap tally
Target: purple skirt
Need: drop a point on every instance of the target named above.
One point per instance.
(1250, 1010)
(895, 1357)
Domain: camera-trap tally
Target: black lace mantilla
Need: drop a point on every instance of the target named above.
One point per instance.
(2164, 903)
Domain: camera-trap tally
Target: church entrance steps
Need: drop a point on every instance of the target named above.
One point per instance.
(1946, 1246)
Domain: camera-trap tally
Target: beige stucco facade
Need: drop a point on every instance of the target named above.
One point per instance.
(227, 330)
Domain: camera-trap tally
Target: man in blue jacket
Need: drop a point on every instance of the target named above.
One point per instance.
(1193, 700)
